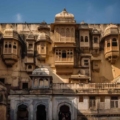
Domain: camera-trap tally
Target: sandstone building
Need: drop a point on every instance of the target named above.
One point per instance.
(60, 71)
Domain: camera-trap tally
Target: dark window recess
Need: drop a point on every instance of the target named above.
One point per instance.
(1, 97)
(9, 45)
(95, 40)
(2, 80)
(86, 38)
(86, 62)
(114, 98)
(25, 85)
(30, 45)
(92, 98)
(81, 39)
(14, 46)
(108, 44)
(29, 66)
(63, 54)
(42, 48)
(114, 43)
(5, 45)
(114, 40)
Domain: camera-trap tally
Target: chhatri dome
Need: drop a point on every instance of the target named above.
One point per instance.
(64, 16)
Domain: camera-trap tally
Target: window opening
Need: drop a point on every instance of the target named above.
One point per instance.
(2, 80)
(92, 102)
(114, 42)
(30, 45)
(114, 102)
(86, 62)
(22, 113)
(41, 112)
(25, 85)
(81, 39)
(86, 38)
(108, 44)
(63, 54)
(29, 66)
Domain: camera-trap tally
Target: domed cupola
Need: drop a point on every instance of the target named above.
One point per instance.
(64, 16)
(111, 30)
(10, 45)
(41, 78)
(111, 43)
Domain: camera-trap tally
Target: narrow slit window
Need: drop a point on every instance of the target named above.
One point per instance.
(86, 38)
(63, 54)
(108, 44)
(81, 39)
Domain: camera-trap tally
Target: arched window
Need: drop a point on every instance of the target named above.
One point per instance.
(114, 42)
(22, 113)
(64, 113)
(86, 38)
(41, 112)
(6, 46)
(81, 39)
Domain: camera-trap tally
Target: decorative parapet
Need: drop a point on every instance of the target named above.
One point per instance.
(71, 88)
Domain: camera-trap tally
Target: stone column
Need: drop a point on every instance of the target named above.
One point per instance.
(13, 112)
(31, 112)
(107, 102)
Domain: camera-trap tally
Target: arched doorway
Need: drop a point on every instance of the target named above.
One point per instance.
(41, 112)
(22, 113)
(64, 113)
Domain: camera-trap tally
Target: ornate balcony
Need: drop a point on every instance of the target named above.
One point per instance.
(10, 59)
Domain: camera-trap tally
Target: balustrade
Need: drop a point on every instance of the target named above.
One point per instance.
(86, 86)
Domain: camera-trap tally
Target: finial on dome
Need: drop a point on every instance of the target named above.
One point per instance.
(64, 9)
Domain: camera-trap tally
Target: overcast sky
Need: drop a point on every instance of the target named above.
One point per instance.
(30, 11)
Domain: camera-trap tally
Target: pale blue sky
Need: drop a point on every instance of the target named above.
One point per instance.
(30, 11)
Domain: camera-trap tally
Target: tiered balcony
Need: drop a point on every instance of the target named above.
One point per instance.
(10, 59)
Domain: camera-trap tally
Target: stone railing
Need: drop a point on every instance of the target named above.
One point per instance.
(86, 86)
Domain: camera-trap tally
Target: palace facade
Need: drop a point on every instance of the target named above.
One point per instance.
(59, 71)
